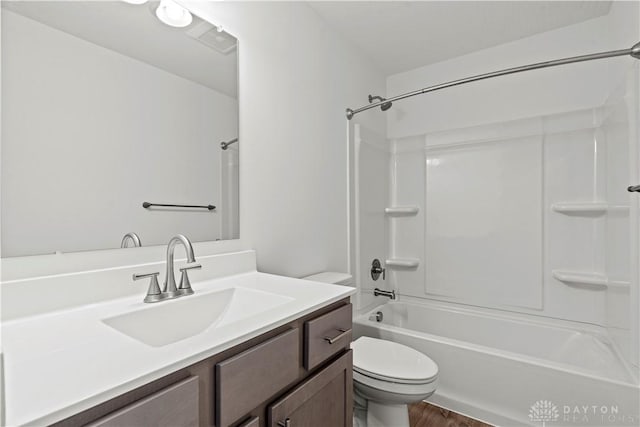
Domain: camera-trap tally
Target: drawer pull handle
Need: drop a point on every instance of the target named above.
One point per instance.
(343, 333)
(286, 423)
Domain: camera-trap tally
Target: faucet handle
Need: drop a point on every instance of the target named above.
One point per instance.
(153, 293)
(185, 285)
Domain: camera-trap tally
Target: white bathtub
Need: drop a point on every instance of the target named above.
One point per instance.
(495, 367)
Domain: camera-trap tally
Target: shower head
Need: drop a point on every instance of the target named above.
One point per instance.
(383, 107)
(635, 50)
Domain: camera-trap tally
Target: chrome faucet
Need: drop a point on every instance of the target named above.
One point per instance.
(133, 237)
(169, 288)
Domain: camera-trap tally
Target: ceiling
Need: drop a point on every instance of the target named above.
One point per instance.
(399, 35)
(396, 35)
(135, 31)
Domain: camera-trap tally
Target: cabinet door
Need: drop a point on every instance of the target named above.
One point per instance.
(253, 377)
(252, 422)
(323, 400)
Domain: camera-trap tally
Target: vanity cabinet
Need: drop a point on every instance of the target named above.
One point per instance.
(301, 371)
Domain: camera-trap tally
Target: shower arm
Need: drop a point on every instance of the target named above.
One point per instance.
(633, 51)
(225, 145)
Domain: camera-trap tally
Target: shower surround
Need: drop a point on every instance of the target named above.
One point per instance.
(501, 212)
(522, 237)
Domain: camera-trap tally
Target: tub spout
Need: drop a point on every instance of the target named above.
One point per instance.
(389, 294)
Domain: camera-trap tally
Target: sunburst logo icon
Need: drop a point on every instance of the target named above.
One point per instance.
(543, 411)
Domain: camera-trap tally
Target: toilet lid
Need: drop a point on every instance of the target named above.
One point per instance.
(387, 360)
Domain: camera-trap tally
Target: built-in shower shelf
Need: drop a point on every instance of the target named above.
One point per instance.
(587, 207)
(590, 279)
(401, 210)
(402, 263)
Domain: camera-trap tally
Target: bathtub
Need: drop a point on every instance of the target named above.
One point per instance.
(512, 370)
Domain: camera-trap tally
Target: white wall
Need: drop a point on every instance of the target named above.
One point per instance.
(623, 306)
(89, 134)
(619, 249)
(371, 195)
(530, 94)
(296, 78)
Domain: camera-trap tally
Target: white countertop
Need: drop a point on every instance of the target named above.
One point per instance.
(61, 363)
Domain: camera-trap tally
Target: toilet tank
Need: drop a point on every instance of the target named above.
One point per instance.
(331, 277)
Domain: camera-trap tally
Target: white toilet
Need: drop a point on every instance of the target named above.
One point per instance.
(387, 376)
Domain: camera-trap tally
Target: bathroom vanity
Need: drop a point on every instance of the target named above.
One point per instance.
(289, 373)
(247, 349)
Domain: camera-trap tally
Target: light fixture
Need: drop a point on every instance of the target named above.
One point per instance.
(173, 14)
(135, 1)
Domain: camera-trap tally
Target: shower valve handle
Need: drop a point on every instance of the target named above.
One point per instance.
(377, 270)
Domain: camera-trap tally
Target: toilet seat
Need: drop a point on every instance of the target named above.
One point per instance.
(379, 377)
(391, 392)
(392, 362)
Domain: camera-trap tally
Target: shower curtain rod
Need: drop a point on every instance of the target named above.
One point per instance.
(634, 52)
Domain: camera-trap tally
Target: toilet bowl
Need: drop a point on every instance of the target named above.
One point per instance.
(387, 376)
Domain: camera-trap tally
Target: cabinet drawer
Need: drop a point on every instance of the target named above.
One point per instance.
(326, 335)
(246, 380)
(174, 406)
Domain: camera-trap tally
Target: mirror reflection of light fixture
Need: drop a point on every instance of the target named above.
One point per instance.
(173, 14)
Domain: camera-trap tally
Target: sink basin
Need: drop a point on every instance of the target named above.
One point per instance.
(167, 322)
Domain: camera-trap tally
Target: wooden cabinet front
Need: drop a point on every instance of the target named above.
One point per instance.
(251, 422)
(327, 335)
(323, 400)
(174, 406)
(246, 380)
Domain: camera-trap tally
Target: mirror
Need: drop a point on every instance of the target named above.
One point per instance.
(105, 107)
